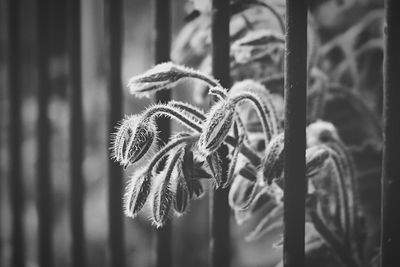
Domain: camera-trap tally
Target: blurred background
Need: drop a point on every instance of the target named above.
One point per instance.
(333, 20)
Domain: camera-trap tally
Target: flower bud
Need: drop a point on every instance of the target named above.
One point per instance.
(219, 121)
(163, 194)
(133, 140)
(272, 165)
(137, 192)
(164, 76)
(315, 159)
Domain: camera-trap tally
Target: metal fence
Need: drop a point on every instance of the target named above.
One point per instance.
(295, 122)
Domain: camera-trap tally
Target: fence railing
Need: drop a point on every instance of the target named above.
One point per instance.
(77, 142)
(15, 135)
(295, 184)
(390, 232)
(114, 33)
(219, 207)
(295, 122)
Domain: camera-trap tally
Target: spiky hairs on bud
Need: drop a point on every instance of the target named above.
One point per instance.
(137, 192)
(135, 137)
(162, 194)
(164, 76)
(272, 165)
(215, 129)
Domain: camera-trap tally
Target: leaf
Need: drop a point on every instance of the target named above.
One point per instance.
(162, 193)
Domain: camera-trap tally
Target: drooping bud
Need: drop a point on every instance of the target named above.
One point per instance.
(215, 165)
(133, 140)
(163, 194)
(162, 200)
(272, 165)
(137, 192)
(315, 159)
(164, 76)
(219, 121)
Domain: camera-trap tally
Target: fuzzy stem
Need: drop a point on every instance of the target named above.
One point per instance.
(194, 111)
(218, 92)
(160, 109)
(211, 82)
(168, 147)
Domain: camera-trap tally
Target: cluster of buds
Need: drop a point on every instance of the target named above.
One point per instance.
(171, 176)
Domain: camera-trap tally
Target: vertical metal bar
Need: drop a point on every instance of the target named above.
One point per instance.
(219, 207)
(15, 135)
(390, 231)
(162, 54)
(45, 198)
(295, 133)
(76, 144)
(114, 19)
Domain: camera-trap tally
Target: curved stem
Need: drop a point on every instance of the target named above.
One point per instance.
(218, 92)
(264, 112)
(210, 81)
(332, 241)
(275, 12)
(168, 147)
(194, 111)
(172, 112)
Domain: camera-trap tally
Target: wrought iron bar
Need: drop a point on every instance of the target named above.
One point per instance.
(219, 207)
(390, 232)
(76, 144)
(44, 185)
(162, 54)
(295, 133)
(15, 135)
(114, 25)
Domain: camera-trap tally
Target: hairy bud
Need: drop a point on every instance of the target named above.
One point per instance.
(164, 76)
(136, 194)
(219, 121)
(133, 140)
